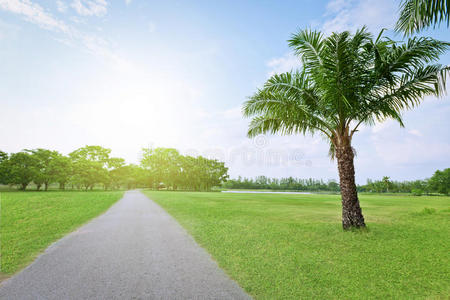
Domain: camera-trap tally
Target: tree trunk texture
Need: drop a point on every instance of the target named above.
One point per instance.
(352, 216)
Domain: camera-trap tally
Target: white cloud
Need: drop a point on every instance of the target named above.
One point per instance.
(61, 6)
(34, 13)
(78, 20)
(91, 43)
(90, 7)
(335, 6)
(283, 64)
(128, 2)
(351, 15)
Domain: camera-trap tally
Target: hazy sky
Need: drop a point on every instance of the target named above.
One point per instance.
(132, 74)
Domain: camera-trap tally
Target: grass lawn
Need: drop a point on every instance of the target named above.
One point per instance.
(292, 246)
(31, 221)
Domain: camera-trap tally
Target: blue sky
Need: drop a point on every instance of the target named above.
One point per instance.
(133, 74)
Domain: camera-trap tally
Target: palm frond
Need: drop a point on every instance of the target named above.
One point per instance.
(416, 15)
(308, 45)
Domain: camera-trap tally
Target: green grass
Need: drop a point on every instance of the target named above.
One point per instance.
(292, 246)
(31, 221)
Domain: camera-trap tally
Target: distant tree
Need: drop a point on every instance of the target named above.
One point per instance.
(440, 181)
(387, 181)
(345, 81)
(416, 15)
(4, 167)
(289, 183)
(3, 156)
(212, 172)
(23, 168)
(333, 186)
(43, 175)
(130, 176)
(88, 173)
(114, 179)
(92, 153)
(163, 166)
(60, 169)
(90, 166)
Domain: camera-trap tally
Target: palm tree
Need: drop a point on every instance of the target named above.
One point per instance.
(416, 15)
(387, 182)
(345, 81)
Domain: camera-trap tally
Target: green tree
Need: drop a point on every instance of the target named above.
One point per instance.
(387, 183)
(43, 175)
(4, 170)
(23, 168)
(114, 177)
(416, 15)
(345, 81)
(440, 181)
(90, 166)
(60, 169)
(162, 165)
(129, 176)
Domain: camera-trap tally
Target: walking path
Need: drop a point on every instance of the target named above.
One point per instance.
(133, 251)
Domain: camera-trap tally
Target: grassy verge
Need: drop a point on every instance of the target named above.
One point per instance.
(31, 221)
(292, 246)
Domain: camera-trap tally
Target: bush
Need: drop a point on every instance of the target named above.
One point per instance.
(417, 192)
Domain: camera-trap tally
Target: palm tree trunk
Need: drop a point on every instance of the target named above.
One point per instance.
(352, 216)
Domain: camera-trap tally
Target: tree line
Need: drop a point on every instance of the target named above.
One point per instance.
(438, 183)
(91, 166)
(166, 168)
(287, 183)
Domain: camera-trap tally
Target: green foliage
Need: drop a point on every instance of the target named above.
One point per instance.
(166, 167)
(417, 192)
(89, 166)
(416, 15)
(293, 247)
(92, 166)
(31, 221)
(347, 80)
(43, 174)
(440, 181)
(290, 183)
(4, 176)
(22, 168)
(60, 169)
(425, 212)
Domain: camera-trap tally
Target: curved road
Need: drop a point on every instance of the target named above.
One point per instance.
(133, 251)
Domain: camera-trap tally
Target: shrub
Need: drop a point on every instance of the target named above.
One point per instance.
(417, 192)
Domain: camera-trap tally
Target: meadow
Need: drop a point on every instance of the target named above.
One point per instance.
(293, 246)
(30, 221)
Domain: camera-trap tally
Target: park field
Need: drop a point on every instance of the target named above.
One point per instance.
(293, 247)
(31, 221)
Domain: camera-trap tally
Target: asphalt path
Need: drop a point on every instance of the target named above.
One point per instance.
(133, 251)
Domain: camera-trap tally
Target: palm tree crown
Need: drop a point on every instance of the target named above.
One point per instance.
(346, 81)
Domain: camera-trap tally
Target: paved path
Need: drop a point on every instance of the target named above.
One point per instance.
(133, 251)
